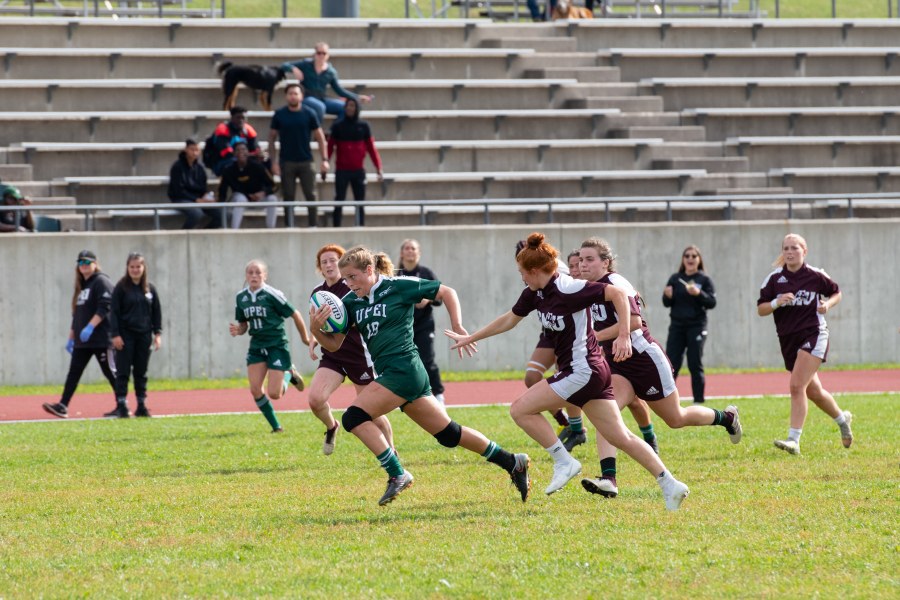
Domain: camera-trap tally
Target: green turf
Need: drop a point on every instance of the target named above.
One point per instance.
(218, 507)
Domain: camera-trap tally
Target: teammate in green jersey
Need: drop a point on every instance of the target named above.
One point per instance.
(381, 308)
(261, 310)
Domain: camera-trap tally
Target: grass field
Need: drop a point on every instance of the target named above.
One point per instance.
(218, 507)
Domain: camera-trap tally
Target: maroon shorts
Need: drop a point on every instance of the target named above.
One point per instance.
(360, 374)
(578, 388)
(649, 373)
(543, 342)
(814, 341)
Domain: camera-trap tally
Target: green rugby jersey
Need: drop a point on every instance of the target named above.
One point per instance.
(264, 311)
(385, 317)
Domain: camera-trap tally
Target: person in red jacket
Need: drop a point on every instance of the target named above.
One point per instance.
(351, 138)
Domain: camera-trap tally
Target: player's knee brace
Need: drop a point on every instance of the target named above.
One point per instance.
(450, 435)
(354, 416)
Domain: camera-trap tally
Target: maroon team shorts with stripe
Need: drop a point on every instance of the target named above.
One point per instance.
(360, 374)
(579, 387)
(649, 372)
(814, 341)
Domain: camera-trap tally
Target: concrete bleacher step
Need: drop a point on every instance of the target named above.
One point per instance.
(545, 60)
(721, 164)
(774, 191)
(620, 122)
(680, 149)
(724, 181)
(679, 133)
(15, 172)
(582, 74)
(623, 103)
(41, 201)
(540, 44)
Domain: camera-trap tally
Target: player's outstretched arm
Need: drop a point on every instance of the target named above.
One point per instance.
(300, 324)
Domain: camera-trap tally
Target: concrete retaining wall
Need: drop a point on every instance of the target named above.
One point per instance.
(198, 274)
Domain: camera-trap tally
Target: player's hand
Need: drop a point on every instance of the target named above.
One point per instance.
(822, 308)
(463, 341)
(785, 299)
(312, 349)
(70, 345)
(319, 316)
(621, 347)
(118, 342)
(85, 334)
(667, 291)
(235, 330)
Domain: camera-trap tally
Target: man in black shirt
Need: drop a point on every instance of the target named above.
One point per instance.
(249, 181)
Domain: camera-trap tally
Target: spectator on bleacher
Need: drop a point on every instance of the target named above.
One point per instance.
(230, 132)
(538, 13)
(316, 75)
(12, 221)
(351, 138)
(249, 181)
(187, 185)
(293, 125)
(689, 293)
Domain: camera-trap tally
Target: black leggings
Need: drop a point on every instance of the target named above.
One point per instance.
(692, 338)
(424, 340)
(357, 181)
(134, 355)
(80, 359)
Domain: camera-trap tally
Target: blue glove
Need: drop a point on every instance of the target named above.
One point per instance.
(70, 345)
(85, 334)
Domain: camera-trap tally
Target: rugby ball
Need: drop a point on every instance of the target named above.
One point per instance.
(337, 322)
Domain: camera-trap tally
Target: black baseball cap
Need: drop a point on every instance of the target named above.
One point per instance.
(87, 255)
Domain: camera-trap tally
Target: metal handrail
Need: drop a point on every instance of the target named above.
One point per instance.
(90, 211)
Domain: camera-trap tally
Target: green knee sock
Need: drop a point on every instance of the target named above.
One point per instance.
(576, 424)
(265, 407)
(390, 462)
(648, 433)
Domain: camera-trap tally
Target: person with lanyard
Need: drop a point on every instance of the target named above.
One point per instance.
(380, 307)
(799, 296)
(583, 375)
(689, 293)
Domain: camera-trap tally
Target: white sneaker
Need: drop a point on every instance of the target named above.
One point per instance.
(789, 446)
(846, 433)
(735, 431)
(562, 474)
(674, 493)
(439, 398)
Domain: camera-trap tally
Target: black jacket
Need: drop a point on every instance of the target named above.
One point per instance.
(94, 299)
(690, 310)
(253, 178)
(422, 317)
(134, 311)
(186, 182)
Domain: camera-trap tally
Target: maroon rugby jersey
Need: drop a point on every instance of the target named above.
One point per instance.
(565, 321)
(604, 315)
(353, 351)
(806, 285)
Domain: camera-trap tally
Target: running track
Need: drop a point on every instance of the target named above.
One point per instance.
(28, 408)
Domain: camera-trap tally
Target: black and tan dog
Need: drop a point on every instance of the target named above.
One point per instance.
(256, 77)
